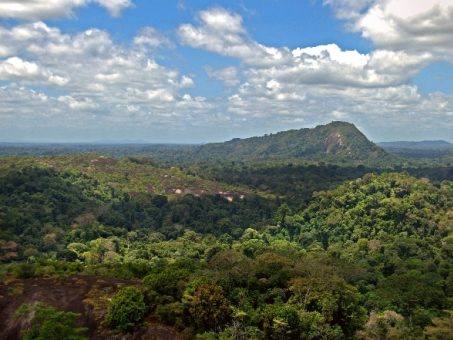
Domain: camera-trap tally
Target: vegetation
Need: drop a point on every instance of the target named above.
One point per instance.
(268, 250)
(48, 323)
(126, 309)
(44, 210)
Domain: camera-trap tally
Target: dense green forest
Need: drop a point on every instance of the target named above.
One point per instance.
(296, 246)
(302, 252)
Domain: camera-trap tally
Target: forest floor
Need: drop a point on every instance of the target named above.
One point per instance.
(86, 295)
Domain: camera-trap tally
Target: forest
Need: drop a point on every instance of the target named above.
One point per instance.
(127, 247)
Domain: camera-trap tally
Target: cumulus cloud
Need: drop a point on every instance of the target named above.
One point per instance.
(222, 32)
(412, 27)
(151, 37)
(36, 10)
(403, 25)
(16, 67)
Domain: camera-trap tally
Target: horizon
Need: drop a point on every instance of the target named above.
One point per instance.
(197, 72)
(144, 142)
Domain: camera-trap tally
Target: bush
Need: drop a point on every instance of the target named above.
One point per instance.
(126, 309)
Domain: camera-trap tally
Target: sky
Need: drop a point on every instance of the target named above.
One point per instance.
(191, 71)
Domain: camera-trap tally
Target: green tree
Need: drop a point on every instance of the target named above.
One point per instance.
(126, 309)
(281, 322)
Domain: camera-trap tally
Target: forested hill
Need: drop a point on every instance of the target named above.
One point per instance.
(335, 142)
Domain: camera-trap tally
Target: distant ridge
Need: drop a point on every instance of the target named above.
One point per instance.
(120, 141)
(418, 145)
(334, 142)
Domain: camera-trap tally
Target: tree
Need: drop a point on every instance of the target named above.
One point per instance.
(208, 307)
(126, 309)
(385, 325)
(281, 322)
(282, 212)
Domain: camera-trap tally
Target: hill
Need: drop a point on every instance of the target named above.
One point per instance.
(336, 142)
(380, 207)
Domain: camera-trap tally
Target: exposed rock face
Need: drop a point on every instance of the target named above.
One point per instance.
(333, 140)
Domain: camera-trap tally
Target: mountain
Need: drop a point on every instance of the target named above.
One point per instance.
(419, 145)
(334, 142)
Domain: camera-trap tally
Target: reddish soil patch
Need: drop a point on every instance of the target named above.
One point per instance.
(69, 295)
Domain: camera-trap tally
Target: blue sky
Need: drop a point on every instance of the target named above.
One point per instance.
(201, 71)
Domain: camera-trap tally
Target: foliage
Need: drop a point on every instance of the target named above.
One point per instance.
(370, 258)
(385, 325)
(208, 307)
(126, 309)
(48, 323)
(441, 328)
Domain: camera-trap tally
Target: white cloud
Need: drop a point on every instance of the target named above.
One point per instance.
(333, 53)
(115, 7)
(219, 19)
(228, 75)
(186, 81)
(58, 80)
(222, 32)
(149, 36)
(50, 9)
(16, 67)
(77, 104)
(402, 25)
